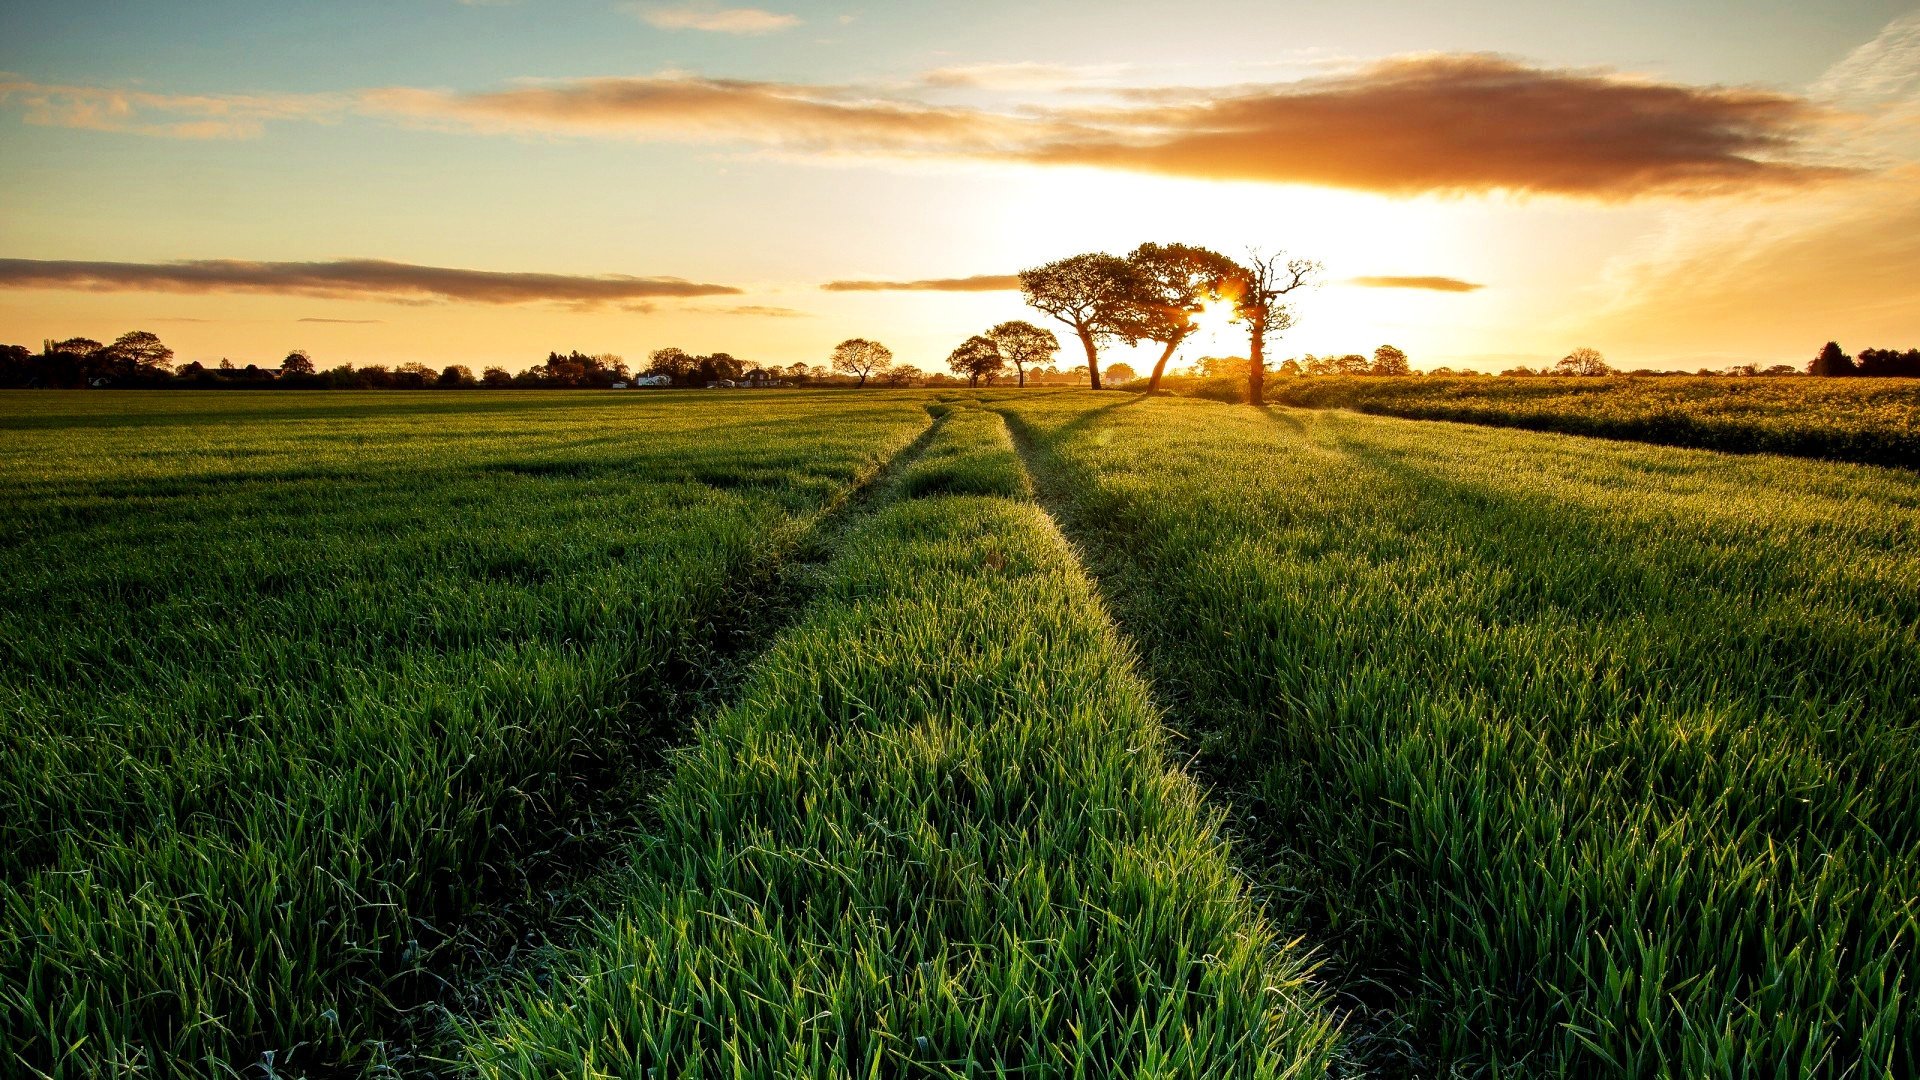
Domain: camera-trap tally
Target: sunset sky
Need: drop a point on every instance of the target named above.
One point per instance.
(1488, 183)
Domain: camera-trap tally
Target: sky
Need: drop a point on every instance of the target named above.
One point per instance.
(1488, 183)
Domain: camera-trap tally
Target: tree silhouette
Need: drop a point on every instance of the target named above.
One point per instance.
(1091, 293)
(1832, 360)
(297, 363)
(138, 352)
(1388, 360)
(675, 364)
(1024, 344)
(1121, 372)
(977, 357)
(1170, 283)
(1582, 361)
(1259, 293)
(860, 357)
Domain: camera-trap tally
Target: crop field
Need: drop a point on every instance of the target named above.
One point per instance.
(1580, 758)
(1871, 420)
(289, 681)
(947, 734)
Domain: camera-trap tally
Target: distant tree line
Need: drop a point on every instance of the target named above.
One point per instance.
(1833, 361)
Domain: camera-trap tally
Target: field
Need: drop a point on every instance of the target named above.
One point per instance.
(1875, 421)
(910, 734)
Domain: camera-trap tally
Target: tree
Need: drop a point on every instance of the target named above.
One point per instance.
(496, 377)
(675, 364)
(139, 352)
(902, 375)
(1288, 367)
(1388, 360)
(456, 375)
(976, 357)
(1170, 284)
(860, 358)
(1583, 362)
(1221, 367)
(1023, 344)
(1259, 293)
(1832, 360)
(297, 363)
(1121, 372)
(1091, 293)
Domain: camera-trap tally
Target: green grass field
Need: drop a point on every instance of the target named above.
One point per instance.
(838, 734)
(1869, 420)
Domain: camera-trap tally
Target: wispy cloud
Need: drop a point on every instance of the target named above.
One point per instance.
(1407, 126)
(1778, 280)
(763, 311)
(717, 20)
(349, 278)
(1023, 75)
(177, 116)
(345, 322)
(1417, 281)
(977, 283)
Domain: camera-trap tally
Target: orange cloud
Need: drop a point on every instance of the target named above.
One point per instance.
(348, 279)
(1408, 126)
(1461, 123)
(976, 283)
(1432, 282)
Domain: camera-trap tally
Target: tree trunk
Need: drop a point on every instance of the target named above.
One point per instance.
(1093, 358)
(1159, 369)
(1022, 369)
(1257, 366)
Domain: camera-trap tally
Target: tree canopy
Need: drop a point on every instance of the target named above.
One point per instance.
(860, 358)
(1024, 345)
(977, 357)
(1094, 294)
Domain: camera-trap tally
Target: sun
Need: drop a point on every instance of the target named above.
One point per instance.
(1214, 323)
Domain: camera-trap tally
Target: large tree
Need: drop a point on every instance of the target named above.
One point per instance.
(1170, 284)
(1389, 360)
(297, 363)
(139, 352)
(675, 364)
(1024, 345)
(1260, 292)
(1093, 294)
(1833, 360)
(977, 357)
(1582, 361)
(861, 358)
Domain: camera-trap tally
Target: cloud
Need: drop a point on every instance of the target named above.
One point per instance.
(1019, 76)
(1777, 280)
(759, 311)
(1435, 283)
(348, 278)
(718, 20)
(1458, 124)
(976, 283)
(345, 322)
(1449, 124)
(177, 116)
(795, 117)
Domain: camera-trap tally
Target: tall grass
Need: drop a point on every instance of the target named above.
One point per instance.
(1584, 758)
(289, 682)
(938, 835)
(1875, 421)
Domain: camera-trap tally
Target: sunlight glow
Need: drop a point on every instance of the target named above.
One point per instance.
(1215, 330)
